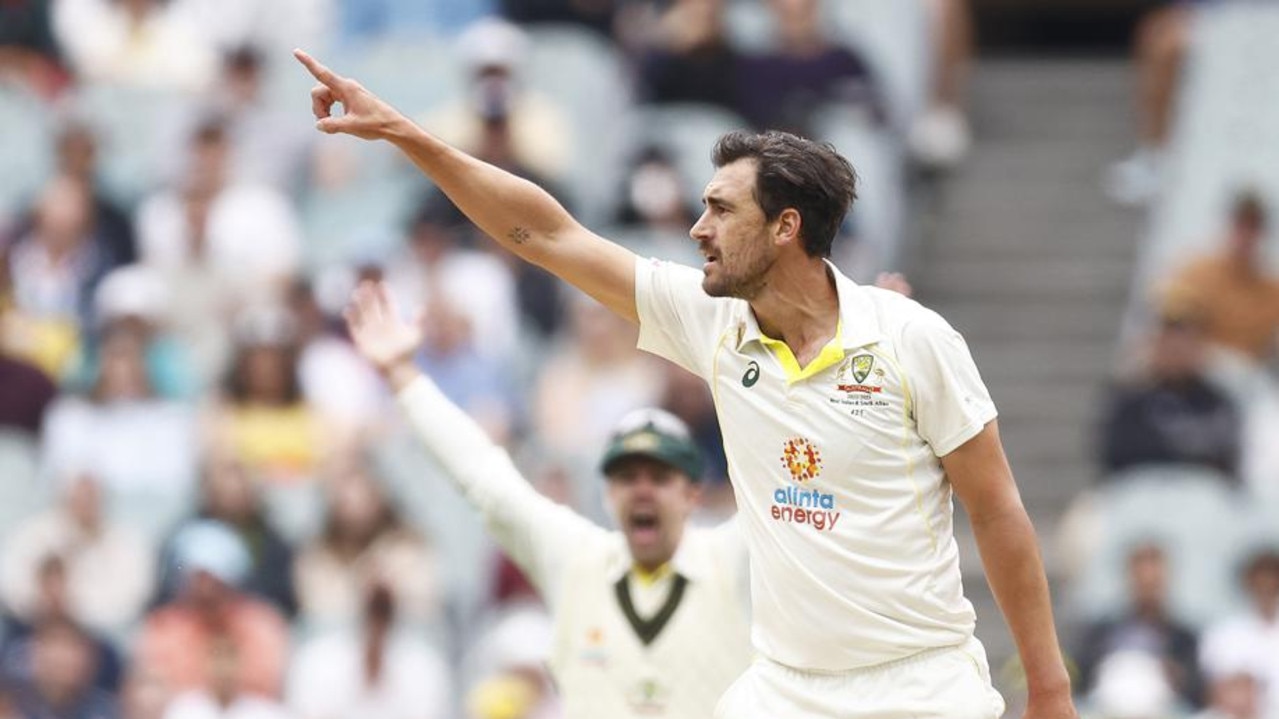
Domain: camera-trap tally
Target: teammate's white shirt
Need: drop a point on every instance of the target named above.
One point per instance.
(600, 662)
(840, 492)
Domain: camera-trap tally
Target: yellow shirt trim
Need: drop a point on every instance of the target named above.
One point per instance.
(647, 578)
(830, 355)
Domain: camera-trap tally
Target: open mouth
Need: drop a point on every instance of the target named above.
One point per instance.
(644, 525)
(711, 257)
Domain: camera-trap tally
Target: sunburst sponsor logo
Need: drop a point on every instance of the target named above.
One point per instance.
(802, 459)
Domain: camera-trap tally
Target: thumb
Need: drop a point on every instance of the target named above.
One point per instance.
(332, 125)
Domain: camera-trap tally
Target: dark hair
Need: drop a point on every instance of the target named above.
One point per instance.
(389, 521)
(237, 380)
(811, 177)
(1249, 208)
(211, 130)
(1261, 560)
(244, 58)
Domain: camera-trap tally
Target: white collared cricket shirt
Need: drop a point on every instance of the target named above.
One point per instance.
(670, 648)
(626, 646)
(836, 466)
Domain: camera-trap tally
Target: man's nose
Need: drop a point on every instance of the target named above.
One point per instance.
(643, 486)
(700, 230)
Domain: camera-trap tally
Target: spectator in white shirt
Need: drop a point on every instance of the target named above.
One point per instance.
(247, 234)
(1249, 642)
(379, 671)
(134, 441)
(143, 43)
(109, 568)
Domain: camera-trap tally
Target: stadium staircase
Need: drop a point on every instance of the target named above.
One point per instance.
(1022, 252)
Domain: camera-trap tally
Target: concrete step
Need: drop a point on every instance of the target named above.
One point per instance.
(1043, 360)
(1011, 278)
(1024, 255)
(987, 322)
(1027, 402)
(1049, 441)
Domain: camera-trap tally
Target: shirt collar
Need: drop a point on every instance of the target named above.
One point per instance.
(858, 324)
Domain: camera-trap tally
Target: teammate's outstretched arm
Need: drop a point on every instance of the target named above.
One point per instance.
(539, 534)
(517, 213)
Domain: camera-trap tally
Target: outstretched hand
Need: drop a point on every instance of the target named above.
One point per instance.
(379, 333)
(364, 114)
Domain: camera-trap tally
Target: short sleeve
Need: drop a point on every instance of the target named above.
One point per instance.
(950, 402)
(678, 320)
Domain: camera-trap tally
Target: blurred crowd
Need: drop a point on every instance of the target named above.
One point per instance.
(209, 506)
(1185, 517)
(1187, 501)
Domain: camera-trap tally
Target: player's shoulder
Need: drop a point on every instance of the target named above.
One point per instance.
(903, 318)
(718, 546)
(599, 551)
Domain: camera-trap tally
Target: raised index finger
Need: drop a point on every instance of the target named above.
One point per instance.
(319, 71)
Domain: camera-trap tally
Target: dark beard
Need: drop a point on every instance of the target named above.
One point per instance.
(742, 288)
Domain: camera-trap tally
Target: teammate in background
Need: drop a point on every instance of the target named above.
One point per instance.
(850, 415)
(649, 620)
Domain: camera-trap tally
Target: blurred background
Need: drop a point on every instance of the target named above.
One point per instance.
(208, 500)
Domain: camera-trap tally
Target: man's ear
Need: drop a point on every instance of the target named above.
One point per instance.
(788, 224)
(695, 492)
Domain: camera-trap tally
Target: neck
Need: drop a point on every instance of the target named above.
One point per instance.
(349, 545)
(224, 695)
(799, 305)
(804, 43)
(1244, 262)
(1150, 612)
(1269, 612)
(650, 570)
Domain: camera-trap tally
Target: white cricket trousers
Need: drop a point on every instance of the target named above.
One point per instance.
(946, 683)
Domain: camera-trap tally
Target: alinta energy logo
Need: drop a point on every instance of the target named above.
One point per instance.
(803, 461)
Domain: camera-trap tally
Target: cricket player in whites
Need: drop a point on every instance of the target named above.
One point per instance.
(650, 621)
(851, 417)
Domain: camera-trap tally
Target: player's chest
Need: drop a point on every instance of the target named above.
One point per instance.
(865, 391)
(644, 658)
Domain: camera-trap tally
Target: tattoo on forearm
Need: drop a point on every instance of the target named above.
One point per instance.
(519, 235)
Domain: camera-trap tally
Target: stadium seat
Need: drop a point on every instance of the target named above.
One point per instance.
(363, 19)
(296, 511)
(893, 35)
(25, 146)
(136, 130)
(896, 38)
(430, 503)
(1193, 513)
(688, 133)
(670, 246)
(362, 221)
(23, 491)
(413, 73)
(152, 513)
(750, 25)
(1223, 138)
(879, 214)
(585, 76)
